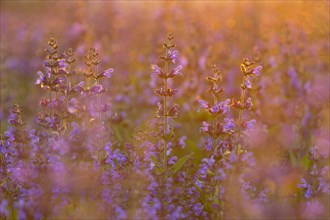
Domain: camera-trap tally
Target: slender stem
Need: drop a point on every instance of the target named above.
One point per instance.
(68, 93)
(215, 122)
(165, 117)
(6, 175)
(68, 77)
(100, 153)
(216, 187)
(240, 118)
(215, 119)
(11, 202)
(50, 95)
(99, 104)
(50, 111)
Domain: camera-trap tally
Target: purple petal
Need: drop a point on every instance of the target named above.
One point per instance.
(202, 104)
(96, 89)
(247, 83)
(250, 124)
(177, 70)
(107, 73)
(257, 71)
(79, 86)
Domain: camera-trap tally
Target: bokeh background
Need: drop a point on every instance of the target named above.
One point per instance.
(290, 39)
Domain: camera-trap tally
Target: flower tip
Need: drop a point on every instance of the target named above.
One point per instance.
(153, 66)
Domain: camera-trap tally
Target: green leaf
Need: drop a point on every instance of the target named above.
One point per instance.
(176, 167)
(154, 159)
(158, 168)
(293, 159)
(305, 162)
(118, 133)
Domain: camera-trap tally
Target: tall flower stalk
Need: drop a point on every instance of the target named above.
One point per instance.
(167, 45)
(162, 168)
(215, 144)
(165, 92)
(245, 104)
(53, 81)
(92, 61)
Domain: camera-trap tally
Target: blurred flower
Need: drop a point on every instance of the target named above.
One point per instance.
(156, 70)
(257, 70)
(248, 104)
(229, 125)
(205, 127)
(73, 106)
(198, 209)
(174, 56)
(247, 83)
(203, 104)
(120, 212)
(177, 70)
(182, 142)
(107, 73)
(42, 80)
(249, 125)
(173, 160)
(313, 209)
(208, 144)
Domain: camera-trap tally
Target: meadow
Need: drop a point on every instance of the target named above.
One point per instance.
(164, 110)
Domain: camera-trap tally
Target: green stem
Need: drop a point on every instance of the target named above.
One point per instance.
(165, 118)
(216, 187)
(100, 153)
(68, 77)
(11, 207)
(215, 118)
(240, 118)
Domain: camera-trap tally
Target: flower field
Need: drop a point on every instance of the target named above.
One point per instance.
(164, 110)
